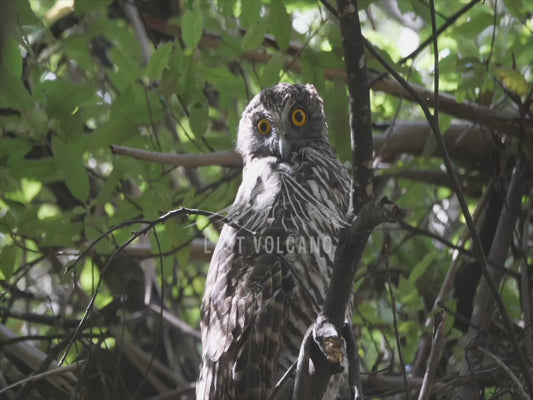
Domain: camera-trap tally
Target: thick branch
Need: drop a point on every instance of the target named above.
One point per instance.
(326, 349)
(466, 142)
(349, 251)
(360, 122)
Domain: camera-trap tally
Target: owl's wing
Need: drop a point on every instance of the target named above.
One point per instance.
(244, 313)
(244, 308)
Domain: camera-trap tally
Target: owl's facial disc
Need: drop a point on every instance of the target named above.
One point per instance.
(281, 121)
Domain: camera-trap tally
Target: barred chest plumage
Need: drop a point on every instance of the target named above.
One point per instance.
(299, 222)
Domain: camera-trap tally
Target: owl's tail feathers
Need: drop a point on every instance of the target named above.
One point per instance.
(214, 384)
(206, 387)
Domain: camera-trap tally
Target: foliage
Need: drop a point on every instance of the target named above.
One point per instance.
(173, 77)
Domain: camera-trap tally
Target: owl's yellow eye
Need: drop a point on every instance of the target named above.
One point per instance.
(299, 117)
(264, 126)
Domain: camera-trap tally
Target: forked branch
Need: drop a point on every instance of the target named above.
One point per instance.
(323, 344)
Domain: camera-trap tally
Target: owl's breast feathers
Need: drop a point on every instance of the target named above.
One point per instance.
(254, 312)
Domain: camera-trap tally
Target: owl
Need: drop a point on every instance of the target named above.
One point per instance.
(271, 268)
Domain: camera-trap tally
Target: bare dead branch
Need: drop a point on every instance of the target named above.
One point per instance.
(34, 358)
(434, 357)
(173, 320)
(510, 374)
(466, 142)
(132, 13)
(221, 158)
(45, 375)
(395, 324)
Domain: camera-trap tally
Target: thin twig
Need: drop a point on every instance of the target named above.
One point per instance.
(502, 365)
(395, 319)
(524, 282)
(132, 13)
(149, 225)
(449, 22)
(434, 357)
(44, 375)
(283, 379)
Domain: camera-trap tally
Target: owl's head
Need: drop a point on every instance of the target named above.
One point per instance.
(281, 120)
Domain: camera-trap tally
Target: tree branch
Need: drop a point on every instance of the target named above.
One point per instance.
(222, 158)
(327, 346)
(466, 143)
(360, 121)
(434, 357)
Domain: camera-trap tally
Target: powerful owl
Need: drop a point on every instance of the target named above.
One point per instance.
(272, 265)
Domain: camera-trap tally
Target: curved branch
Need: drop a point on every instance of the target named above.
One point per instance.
(221, 158)
(507, 122)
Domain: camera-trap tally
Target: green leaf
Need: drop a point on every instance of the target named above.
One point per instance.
(13, 94)
(128, 68)
(77, 49)
(86, 6)
(255, 36)
(474, 25)
(250, 13)
(270, 73)
(69, 160)
(513, 80)
(231, 46)
(280, 23)
(43, 169)
(57, 231)
(171, 76)
(158, 61)
(114, 131)
(9, 259)
(337, 112)
(26, 16)
(408, 295)
(225, 7)
(421, 267)
(192, 26)
(199, 117)
(12, 59)
(14, 147)
(111, 183)
(516, 8)
(430, 145)
(63, 97)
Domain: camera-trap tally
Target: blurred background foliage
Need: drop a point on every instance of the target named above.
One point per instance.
(173, 76)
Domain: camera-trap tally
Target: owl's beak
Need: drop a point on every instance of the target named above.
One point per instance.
(284, 147)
